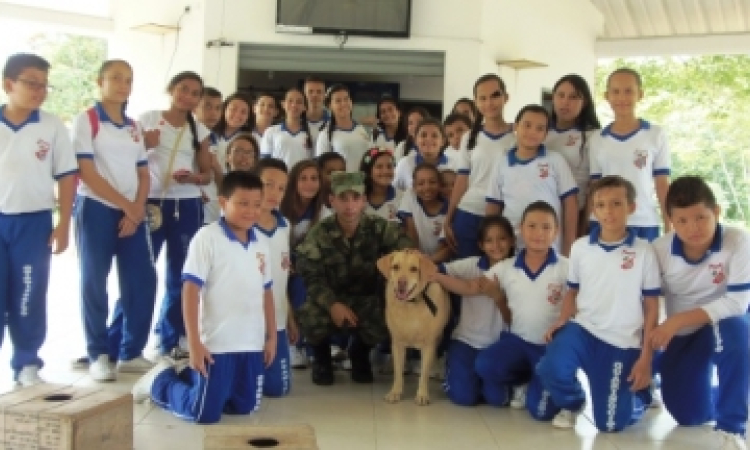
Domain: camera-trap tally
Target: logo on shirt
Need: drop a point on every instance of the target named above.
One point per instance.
(543, 170)
(628, 259)
(572, 140)
(437, 228)
(717, 273)
(640, 157)
(133, 131)
(286, 263)
(554, 293)
(42, 149)
(261, 263)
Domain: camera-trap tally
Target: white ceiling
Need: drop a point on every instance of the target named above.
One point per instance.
(638, 19)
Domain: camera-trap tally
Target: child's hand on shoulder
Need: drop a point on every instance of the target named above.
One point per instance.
(199, 356)
(269, 350)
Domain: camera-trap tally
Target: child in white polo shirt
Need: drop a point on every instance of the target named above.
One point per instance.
(227, 283)
(705, 269)
(35, 151)
(610, 308)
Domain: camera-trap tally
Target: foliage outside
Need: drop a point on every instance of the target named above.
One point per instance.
(703, 103)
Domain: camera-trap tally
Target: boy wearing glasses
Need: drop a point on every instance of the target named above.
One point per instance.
(35, 151)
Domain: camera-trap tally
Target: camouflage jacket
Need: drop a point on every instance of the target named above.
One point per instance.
(334, 266)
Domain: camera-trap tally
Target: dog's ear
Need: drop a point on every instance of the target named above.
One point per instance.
(384, 265)
(427, 269)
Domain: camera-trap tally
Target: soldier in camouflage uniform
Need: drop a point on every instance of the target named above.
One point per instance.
(344, 289)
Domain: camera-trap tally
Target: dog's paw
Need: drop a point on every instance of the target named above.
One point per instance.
(422, 399)
(392, 397)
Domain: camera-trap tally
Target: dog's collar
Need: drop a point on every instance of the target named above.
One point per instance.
(428, 301)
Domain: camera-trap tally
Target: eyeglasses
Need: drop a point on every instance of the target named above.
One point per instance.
(35, 85)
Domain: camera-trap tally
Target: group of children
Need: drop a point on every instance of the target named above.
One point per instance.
(543, 227)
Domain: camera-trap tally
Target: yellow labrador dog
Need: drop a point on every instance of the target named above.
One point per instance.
(416, 313)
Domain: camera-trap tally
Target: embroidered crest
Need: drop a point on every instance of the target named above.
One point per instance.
(717, 273)
(543, 170)
(286, 263)
(261, 263)
(42, 149)
(572, 140)
(628, 259)
(554, 293)
(437, 228)
(640, 158)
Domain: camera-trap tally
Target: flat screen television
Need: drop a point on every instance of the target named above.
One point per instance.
(378, 18)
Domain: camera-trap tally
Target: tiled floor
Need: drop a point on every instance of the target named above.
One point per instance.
(348, 416)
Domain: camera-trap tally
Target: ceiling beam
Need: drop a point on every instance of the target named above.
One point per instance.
(714, 44)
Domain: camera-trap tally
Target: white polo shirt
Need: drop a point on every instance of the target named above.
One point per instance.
(158, 157)
(481, 323)
(479, 164)
(33, 156)
(383, 141)
(612, 281)
(638, 157)
(534, 299)
(117, 152)
(404, 176)
(350, 143)
(517, 183)
(279, 261)
(280, 143)
(429, 227)
(233, 277)
(719, 283)
(388, 210)
(315, 126)
(568, 144)
(219, 146)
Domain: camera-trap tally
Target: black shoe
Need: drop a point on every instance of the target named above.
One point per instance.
(322, 374)
(359, 354)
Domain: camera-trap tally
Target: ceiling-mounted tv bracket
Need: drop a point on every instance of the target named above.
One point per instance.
(341, 39)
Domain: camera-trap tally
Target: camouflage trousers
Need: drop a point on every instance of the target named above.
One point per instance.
(317, 325)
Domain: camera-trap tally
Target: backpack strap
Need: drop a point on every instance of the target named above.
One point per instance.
(93, 121)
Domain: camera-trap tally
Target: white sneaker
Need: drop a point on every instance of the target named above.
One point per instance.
(565, 419)
(518, 400)
(135, 365)
(101, 369)
(142, 388)
(81, 363)
(731, 441)
(298, 357)
(29, 376)
(656, 400)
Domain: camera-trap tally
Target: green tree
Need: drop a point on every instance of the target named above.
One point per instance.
(703, 103)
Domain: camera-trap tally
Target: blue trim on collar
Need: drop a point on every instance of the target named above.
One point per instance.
(594, 239)
(389, 196)
(284, 128)
(607, 131)
(348, 130)
(513, 158)
(495, 137)
(678, 248)
(280, 223)
(443, 209)
(442, 159)
(326, 117)
(381, 132)
(34, 117)
(483, 262)
(230, 234)
(553, 127)
(213, 138)
(521, 263)
(104, 117)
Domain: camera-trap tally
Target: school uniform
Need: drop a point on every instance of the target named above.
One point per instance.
(277, 380)
(118, 152)
(33, 155)
(479, 326)
(383, 141)
(719, 284)
(211, 208)
(568, 144)
(517, 183)
(280, 143)
(400, 151)
(534, 300)
(479, 165)
(428, 226)
(604, 338)
(388, 210)
(181, 212)
(351, 144)
(404, 176)
(233, 277)
(316, 125)
(638, 157)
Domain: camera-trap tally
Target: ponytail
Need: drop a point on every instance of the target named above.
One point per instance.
(331, 129)
(306, 129)
(475, 129)
(194, 131)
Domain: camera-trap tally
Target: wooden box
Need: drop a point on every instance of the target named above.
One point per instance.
(53, 417)
(249, 437)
